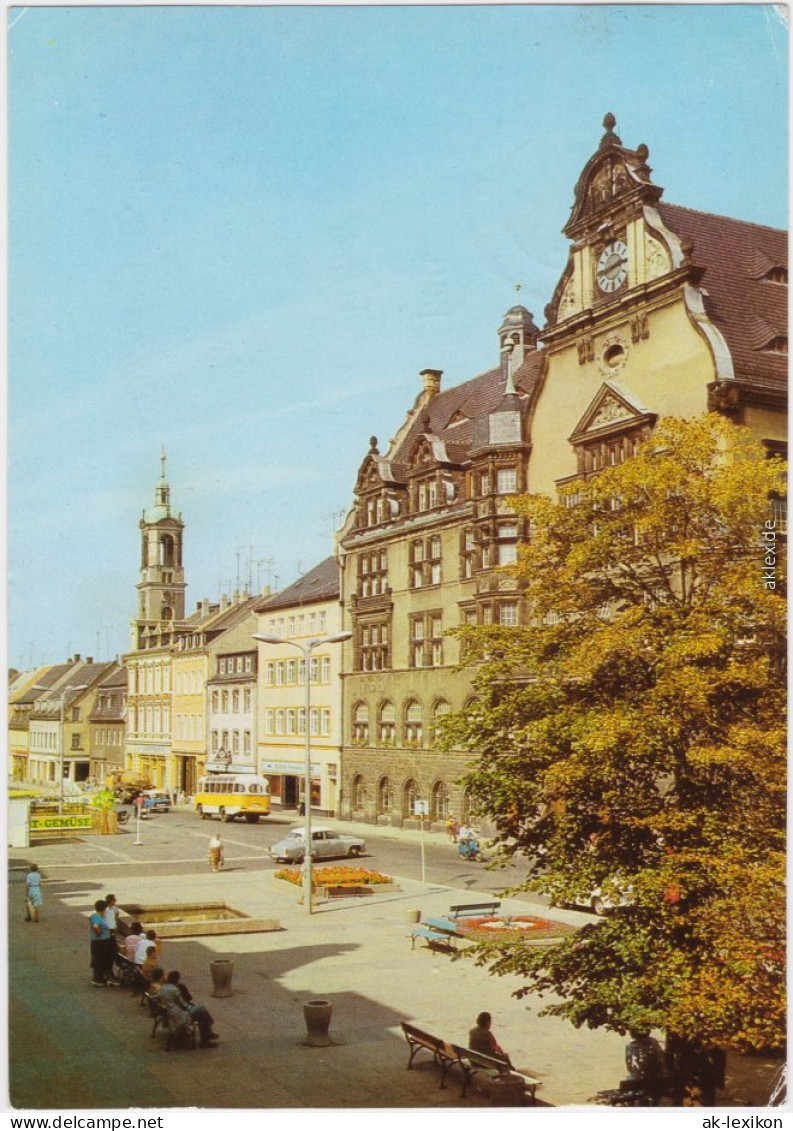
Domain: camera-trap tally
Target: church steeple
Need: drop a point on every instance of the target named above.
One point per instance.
(161, 588)
(162, 495)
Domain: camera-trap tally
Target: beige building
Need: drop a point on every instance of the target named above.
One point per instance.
(193, 662)
(660, 311)
(306, 611)
(59, 733)
(107, 724)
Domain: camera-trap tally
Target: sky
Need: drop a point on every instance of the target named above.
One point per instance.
(241, 232)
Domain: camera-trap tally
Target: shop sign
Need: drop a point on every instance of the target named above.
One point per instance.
(59, 822)
(298, 768)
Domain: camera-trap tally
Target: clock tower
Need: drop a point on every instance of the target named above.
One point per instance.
(161, 589)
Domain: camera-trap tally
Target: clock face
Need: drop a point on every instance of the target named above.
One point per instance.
(612, 266)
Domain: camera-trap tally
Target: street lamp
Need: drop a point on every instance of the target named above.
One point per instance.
(306, 650)
(73, 687)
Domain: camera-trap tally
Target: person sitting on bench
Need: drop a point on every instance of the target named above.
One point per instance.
(180, 1007)
(481, 1039)
(128, 945)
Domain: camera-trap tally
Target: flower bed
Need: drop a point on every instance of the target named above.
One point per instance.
(335, 877)
(492, 928)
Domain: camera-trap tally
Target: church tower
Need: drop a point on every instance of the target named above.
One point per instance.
(161, 589)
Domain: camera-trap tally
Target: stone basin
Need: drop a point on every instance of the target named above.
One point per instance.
(188, 920)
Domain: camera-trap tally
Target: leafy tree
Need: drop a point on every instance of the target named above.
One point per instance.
(631, 738)
(104, 800)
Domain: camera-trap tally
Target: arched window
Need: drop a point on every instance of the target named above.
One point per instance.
(414, 722)
(410, 792)
(467, 809)
(385, 796)
(387, 723)
(439, 802)
(358, 792)
(360, 723)
(165, 550)
(441, 709)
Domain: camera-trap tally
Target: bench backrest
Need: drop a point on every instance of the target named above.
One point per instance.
(481, 1059)
(424, 1038)
(467, 908)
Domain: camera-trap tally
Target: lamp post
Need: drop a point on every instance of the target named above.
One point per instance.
(306, 650)
(74, 687)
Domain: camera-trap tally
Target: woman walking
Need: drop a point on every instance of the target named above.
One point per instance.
(33, 897)
(216, 853)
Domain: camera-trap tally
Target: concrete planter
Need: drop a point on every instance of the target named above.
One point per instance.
(222, 971)
(316, 1015)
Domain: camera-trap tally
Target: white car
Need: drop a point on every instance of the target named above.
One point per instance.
(324, 843)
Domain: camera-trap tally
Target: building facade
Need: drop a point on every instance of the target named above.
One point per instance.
(59, 732)
(107, 725)
(232, 697)
(193, 665)
(306, 611)
(660, 311)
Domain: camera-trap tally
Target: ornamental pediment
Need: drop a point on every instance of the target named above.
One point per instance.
(423, 456)
(611, 409)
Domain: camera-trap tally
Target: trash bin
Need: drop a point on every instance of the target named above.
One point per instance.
(222, 970)
(317, 1015)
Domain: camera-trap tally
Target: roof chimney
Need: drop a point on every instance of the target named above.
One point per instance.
(76, 658)
(431, 380)
(89, 659)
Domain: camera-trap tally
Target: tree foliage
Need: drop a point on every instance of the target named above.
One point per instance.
(631, 737)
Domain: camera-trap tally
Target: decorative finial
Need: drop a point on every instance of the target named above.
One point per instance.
(373, 445)
(518, 289)
(609, 137)
(162, 462)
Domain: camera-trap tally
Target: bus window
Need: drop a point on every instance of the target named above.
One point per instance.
(254, 788)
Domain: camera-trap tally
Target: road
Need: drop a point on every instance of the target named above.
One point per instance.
(175, 844)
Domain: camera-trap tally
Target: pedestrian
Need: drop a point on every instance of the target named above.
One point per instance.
(102, 947)
(33, 896)
(646, 1064)
(216, 853)
(111, 915)
(452, 827)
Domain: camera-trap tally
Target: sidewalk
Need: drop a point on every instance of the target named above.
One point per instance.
(76, 1046)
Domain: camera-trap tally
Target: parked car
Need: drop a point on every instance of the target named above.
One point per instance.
(156, 801)
(324, 843)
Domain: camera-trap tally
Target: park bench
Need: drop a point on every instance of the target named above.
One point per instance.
(498, 1075)
(465, 910)
(441, 1052)
(433, 938)
(187, 1031)
(437, 931)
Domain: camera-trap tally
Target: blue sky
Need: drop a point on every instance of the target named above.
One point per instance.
(242, 232)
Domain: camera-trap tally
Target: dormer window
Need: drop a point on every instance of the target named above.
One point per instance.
(777, 274)
(777, 344)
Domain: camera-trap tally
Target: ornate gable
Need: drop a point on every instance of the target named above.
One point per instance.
(422, 458)
(614, 182)
(612, 410)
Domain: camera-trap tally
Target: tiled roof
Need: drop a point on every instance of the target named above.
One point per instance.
(473, 398)
(117, 678)
(320, 584)
(750, 310)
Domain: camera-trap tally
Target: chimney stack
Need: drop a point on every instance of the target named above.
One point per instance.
(431, 380)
